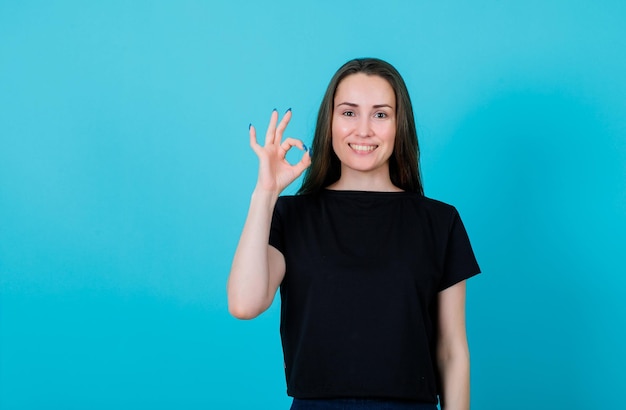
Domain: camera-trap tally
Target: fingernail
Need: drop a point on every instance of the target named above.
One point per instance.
(274, 109)
(288, 109)
(250, 126)
(304, 147)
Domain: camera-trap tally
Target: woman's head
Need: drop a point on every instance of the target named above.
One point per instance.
(404, 162)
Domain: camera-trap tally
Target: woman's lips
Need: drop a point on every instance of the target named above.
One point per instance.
(363, 148)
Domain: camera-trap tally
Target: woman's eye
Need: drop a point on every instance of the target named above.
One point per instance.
(380, 115)
(349, 113)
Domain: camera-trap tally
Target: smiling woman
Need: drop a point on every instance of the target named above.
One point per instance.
(371, 272)
(353, 76)
(363, 132)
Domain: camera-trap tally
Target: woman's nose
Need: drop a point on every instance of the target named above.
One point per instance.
(363, 127)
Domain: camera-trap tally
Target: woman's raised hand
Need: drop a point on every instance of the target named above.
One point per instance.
(275, 173)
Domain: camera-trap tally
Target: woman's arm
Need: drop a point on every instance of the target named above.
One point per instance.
(258, 268)
(452, 349)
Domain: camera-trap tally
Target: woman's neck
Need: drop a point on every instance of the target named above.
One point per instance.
(364, 181)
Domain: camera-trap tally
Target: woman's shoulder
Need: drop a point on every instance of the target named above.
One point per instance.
(298, 201)
(446, 213)
(437, 205)
(296, 198)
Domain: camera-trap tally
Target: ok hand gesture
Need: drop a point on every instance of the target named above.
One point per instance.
(275, 172)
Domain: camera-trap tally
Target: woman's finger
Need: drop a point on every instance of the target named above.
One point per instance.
(303, 164)
(252, 132)
(278, 135)
(254, 144)
(271, 128)
(292, 142)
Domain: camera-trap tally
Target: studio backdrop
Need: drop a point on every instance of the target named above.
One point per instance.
(125, 176)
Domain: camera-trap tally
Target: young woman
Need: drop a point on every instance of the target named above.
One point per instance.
(371, 272)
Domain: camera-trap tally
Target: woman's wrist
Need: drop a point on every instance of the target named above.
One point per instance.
(265, 196)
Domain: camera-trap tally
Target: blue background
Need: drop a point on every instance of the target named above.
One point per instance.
(125, 176)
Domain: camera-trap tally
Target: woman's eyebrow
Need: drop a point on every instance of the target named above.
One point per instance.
(349, 104)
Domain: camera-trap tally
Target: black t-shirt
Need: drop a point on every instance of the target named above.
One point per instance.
(359, 296)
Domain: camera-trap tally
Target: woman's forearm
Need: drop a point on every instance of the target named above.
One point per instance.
(454, 367)
(248, 288)
(452, 349)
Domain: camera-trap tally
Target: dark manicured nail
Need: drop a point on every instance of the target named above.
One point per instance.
(304, 147)
(250, 126)
(274, 109)
(288, 109)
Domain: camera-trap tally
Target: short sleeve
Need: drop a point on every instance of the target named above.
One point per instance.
(276, 229)
(459, 259)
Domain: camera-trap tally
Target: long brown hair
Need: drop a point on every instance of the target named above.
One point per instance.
(404, 168)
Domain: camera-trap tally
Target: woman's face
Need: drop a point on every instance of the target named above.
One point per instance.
(364, 123)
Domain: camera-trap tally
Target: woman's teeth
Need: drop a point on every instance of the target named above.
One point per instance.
(364, 148)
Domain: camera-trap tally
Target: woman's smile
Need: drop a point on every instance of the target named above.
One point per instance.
(363, 149)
